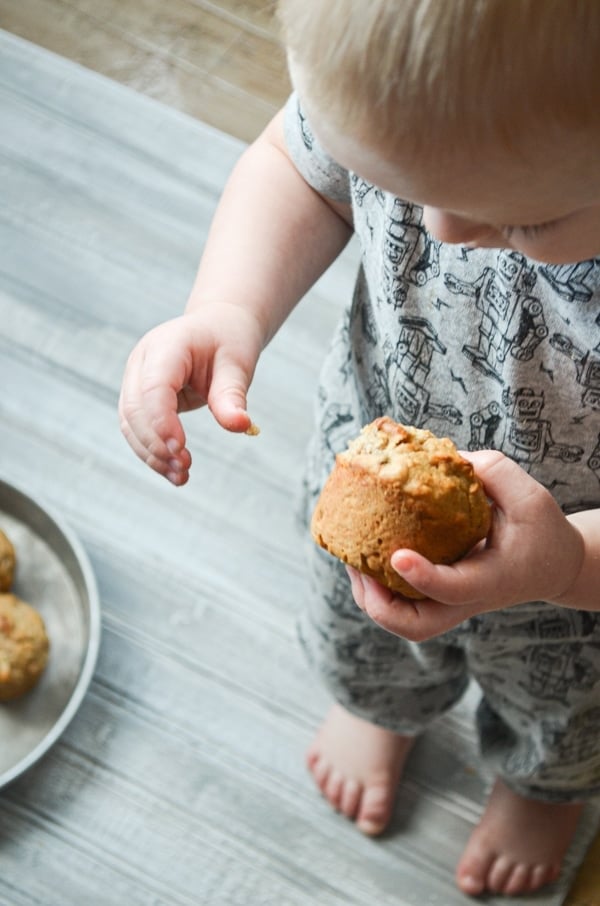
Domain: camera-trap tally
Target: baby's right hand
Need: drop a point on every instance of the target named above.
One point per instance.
(204, 357)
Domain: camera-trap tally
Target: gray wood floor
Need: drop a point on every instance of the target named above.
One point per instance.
(181, 779)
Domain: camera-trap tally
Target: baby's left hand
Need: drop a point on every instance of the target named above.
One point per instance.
(532, 553)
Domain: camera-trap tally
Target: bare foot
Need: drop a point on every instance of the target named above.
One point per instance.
(357, 766)
(518, 846)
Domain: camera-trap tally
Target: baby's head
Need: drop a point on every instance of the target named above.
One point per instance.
(487, 112)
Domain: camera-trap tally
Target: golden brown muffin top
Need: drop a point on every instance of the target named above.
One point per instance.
(7, 562)
(23, 639)
(405, 455)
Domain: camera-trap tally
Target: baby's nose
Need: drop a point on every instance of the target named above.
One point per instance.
(453, 228)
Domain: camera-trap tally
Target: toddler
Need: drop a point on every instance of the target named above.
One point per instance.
(459, 141)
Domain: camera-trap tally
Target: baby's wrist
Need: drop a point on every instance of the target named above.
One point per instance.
(575, 591)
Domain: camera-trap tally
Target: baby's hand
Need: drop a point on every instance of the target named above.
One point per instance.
(205, 357)
(532, 553)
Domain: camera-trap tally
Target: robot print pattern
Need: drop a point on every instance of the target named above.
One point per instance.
(484, 345)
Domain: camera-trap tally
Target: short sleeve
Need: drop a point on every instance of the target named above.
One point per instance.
(312, 161)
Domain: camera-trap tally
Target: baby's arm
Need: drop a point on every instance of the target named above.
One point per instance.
(584, 591)
(533, 552)
(271, 237)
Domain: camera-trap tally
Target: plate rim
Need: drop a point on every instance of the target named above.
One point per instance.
(93, 645)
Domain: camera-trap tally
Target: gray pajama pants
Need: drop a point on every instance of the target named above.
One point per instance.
(538, 667)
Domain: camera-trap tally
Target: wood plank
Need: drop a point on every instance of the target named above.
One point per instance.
(586, 887)
(171, 56)
(258, 67)
(258, 16)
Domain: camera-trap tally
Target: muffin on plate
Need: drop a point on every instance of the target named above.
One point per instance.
(400, 487)
(23, 647)
(8, 562)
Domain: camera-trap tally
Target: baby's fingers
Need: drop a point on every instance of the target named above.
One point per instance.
(415, 620)
(227, 394)
(151, 426)
(475, 580)
(169, 458)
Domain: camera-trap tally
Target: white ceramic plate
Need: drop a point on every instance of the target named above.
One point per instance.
(55, 576)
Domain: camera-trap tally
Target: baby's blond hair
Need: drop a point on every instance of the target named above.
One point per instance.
(456, 71)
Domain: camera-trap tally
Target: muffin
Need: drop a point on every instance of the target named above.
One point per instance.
(400, 487)
(23, 647)
(7, 563)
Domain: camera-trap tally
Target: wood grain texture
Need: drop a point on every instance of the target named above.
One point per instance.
(222, 63)
(181, 779)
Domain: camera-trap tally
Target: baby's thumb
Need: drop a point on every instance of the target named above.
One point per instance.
(227, 397)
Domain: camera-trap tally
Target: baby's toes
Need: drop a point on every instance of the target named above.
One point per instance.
(542, 875)
(375, 809)
(350, 800)
(320, 769)
(334, 788)
(518, 881)
(500, 871)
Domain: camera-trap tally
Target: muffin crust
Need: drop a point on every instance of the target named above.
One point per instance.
(400, 487)
(23, 647)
